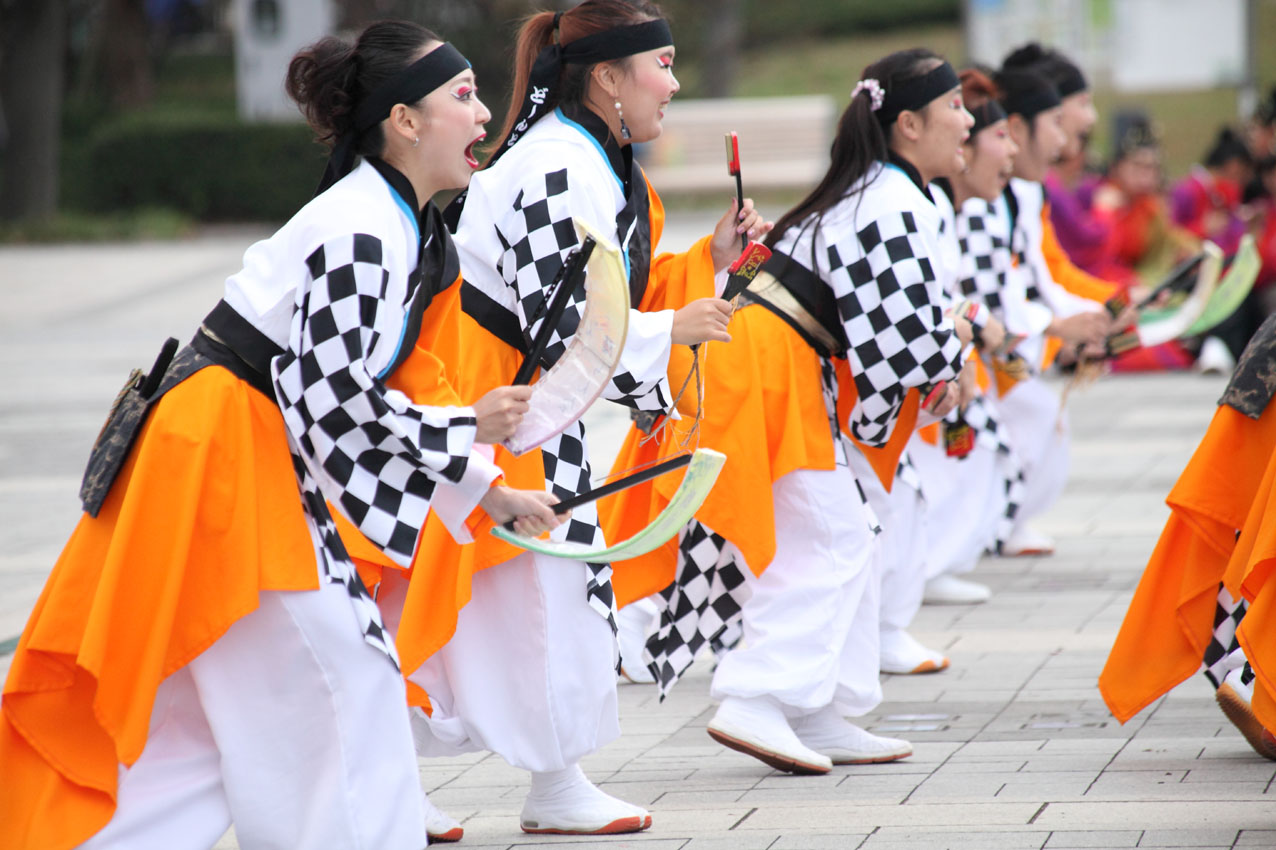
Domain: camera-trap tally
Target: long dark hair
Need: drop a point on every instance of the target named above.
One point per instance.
(537, 33)
(328, 78)
(860, 141)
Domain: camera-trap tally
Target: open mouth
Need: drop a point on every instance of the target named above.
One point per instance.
(470, 158)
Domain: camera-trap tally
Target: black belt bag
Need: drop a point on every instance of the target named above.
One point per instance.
(225, 339)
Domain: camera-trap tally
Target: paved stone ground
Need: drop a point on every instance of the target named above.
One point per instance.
(1014, 749)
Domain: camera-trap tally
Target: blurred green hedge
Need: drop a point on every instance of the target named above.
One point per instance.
(201, 166)
(767, 22)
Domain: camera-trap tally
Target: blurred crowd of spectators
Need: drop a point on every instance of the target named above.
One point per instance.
(1124, 223)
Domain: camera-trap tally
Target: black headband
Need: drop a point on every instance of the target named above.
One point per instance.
(600, 47)
(618, 43)
(408, 86)
(1070, 80)
(986, 114)
(1032, 101)
(915, 93)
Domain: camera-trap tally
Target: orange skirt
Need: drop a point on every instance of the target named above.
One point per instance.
(764, 409)
(205, 514)
(1249, 573)
(1170, 620)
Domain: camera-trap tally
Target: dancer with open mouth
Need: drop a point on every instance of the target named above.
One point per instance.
(520, 658)
(204, 649)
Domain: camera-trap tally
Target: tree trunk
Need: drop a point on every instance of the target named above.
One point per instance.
(721, 57)
(31, 74)
(125, 52)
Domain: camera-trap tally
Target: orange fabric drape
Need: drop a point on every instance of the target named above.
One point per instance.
(1066, 273)
(1249, 574)
(764, 409)
(204, 515)
(1170, 619)
(475, 362)
(883, 459)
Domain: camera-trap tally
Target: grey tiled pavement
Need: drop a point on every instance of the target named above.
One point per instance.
(1014, 748)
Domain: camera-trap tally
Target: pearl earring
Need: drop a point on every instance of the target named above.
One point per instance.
(416, 140)
(624, 129)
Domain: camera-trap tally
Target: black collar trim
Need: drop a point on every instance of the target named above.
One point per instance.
(909, 169)
(399, 183)
(621, 159)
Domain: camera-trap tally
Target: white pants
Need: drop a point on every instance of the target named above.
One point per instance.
(902, 515)
(291, 727)
(1038, 430)
(965, 500)
(810, 623)
(530, 673)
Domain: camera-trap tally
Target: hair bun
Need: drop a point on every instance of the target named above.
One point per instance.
(1030, 54)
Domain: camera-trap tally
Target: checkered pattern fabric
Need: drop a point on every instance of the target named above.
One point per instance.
(906, 473)
(367, 450)
(1020, 242)
(536, 241)
(536, 238)
(1221, 655)
(992, 436)
(702, 606)
(985, 256)
(899, 339)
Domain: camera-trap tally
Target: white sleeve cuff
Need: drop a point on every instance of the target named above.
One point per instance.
(455, 502)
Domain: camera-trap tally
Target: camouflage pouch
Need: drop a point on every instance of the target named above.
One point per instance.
(123, 422)
(1254, 382)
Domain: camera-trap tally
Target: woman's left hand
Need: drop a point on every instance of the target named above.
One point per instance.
(725, 244)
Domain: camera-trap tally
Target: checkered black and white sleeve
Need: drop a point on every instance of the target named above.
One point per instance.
(373, 453)
(537, 234)
(899, 337)
(985, 260)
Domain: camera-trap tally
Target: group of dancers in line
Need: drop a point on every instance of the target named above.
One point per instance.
(283, 589)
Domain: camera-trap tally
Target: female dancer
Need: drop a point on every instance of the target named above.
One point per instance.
(785, 541)
(1077, 117)
(1031, 411)
(971, 498)
(204, 649)
(527, 666)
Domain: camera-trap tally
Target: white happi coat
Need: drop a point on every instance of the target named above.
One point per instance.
(514, 234)
(878, 250)
(335, 288)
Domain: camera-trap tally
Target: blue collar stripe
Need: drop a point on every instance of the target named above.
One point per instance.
(588, 135)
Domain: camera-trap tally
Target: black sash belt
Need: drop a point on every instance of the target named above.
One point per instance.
(229, 340)
(225, 339)
(797, 295)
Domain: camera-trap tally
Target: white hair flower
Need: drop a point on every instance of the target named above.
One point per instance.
(875, 91)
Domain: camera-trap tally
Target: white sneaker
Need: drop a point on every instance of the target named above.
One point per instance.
(632, 623)
(1024, 541)
(1215, 358)
(901, 653)
(757, 727)
(440, 827)
(948, 589)
(565, 802)
(827, 732)
(1234, 697)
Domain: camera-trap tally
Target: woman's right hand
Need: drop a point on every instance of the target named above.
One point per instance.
(530, 509)
(1081, 329)
(499, 412)
(942, 402)
(703, 320)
